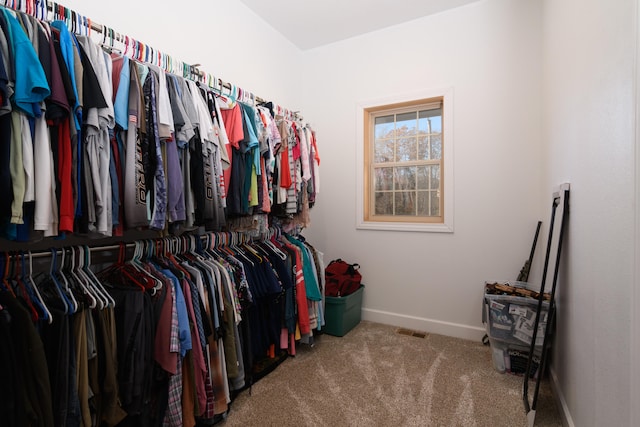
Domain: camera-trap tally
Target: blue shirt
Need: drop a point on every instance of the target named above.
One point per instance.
(184, 332)
(121, 102)
(66, 47)
(31, 86)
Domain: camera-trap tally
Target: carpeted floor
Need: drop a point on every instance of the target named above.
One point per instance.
(375, 376)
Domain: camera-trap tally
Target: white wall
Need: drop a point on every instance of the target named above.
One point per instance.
(228, 39)
(489, 53)
(589, 119)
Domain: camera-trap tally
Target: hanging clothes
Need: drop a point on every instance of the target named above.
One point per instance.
(126, 145)
(166, 338)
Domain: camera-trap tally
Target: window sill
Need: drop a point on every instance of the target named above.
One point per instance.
(404, 226)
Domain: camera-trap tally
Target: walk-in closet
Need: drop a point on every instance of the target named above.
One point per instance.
(295, 213)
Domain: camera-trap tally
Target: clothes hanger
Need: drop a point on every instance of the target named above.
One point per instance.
(143, 278)
(67, 18)
(38, 10)
(172, 248)
(125, 272)
(84, 278)
(269, 246)
(34, 300)
(246, 245)
(56, 283)
(166, 249)
(216, 248)
(20, 288)
(112, 268)
(130, 272)
(86, 267)
(101, 301)
(196, 247)
(34, 294)
(231, 98)
(84, 285)
(66, 285)
(5, 275)
(29, 278)
(234, 237)
(153, 282)
(271, 242)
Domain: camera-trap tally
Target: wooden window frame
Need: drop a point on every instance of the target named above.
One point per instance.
(370, 115)
(364, 180)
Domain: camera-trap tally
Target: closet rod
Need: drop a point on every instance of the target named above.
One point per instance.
(47, 252)
(75, 19)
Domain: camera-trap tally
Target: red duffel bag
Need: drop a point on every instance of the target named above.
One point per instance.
(341, 278)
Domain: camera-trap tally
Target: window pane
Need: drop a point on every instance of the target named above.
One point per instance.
(428, 203)
(434, 112)
(405, 203)
(384, 127)
(383, 179)
(430, 120)
(406, 124)
(406, 150)
(436, 146)
(435, 203)
(383, 151)
(435, 177)
(405, 178)
(423, 148)
(423, 177)
(384, 204)
(423, 203)
(436, 124)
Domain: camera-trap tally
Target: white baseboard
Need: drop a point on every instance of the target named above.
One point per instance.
(560, 401)
(473, 333)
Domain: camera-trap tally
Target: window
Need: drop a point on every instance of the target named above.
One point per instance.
(404, 166)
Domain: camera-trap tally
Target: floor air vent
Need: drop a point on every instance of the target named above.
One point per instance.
(411, 333)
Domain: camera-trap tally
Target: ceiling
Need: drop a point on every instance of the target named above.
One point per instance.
(313, 23)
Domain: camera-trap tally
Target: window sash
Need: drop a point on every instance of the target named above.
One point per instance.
(420, 110)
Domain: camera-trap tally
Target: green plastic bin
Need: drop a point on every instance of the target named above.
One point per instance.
(342, 314)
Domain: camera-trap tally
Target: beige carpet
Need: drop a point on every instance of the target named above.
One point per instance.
(376, 377)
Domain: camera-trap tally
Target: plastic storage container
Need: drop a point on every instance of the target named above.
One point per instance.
(511, 319)
(342, 314)
(513, 359)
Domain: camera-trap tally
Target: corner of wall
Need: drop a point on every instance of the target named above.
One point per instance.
(634, 415)
(560, 400)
